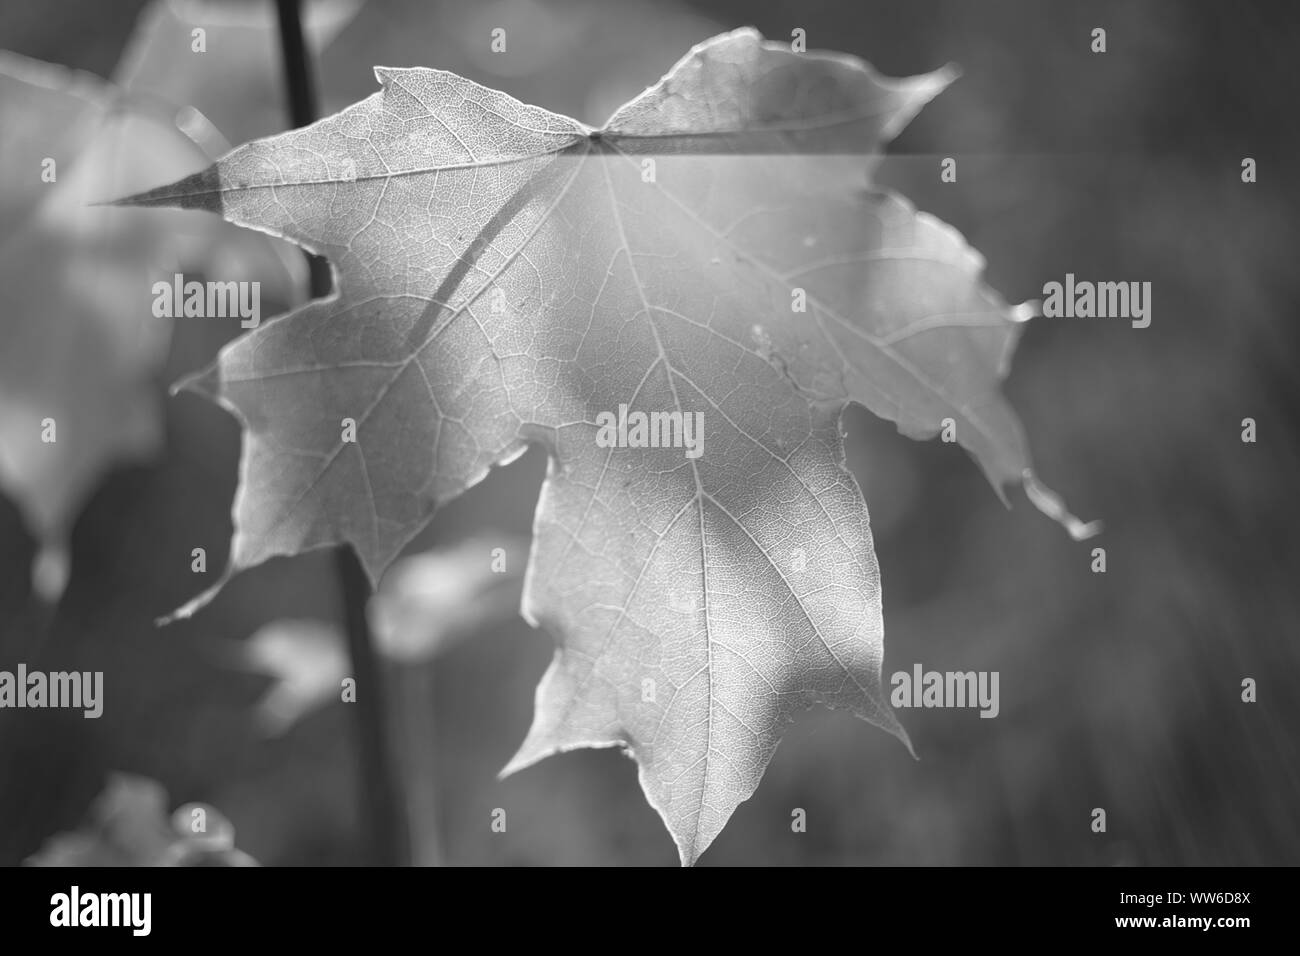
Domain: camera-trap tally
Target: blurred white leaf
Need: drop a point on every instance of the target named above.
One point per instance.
(307, 659)
(238, 81)
(425, 604)
(430, 601)
(128, 825)
(82, 347)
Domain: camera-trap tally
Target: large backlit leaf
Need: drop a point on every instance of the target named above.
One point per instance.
(507, 275)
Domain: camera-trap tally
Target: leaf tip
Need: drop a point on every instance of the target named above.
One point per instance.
(205, 383)
(892, 725)
(189, 608)
(1051, 504)
(520, 761)
(907, 742)
(947, 74)
(201, 191)
(1030, 309)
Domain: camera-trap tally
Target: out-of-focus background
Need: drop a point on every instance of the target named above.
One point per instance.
(1119, 690)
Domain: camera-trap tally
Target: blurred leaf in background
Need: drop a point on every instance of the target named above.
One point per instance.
(237, 82)
(83, 349)
(128, 825)
(428, 602)
(425, 604)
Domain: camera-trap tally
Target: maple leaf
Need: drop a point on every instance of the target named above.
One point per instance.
(506, 274)
(82, 347)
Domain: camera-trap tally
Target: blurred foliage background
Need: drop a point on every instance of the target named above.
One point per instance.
(1119, 690)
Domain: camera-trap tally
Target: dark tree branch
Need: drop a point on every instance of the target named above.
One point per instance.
(381, 802)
